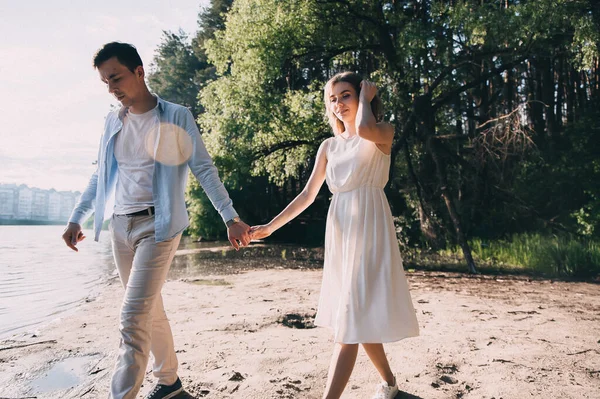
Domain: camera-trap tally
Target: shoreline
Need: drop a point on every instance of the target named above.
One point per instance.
(191, 259)
(29, 222)
(481, 337)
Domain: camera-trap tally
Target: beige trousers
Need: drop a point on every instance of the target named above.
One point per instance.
(143, 264)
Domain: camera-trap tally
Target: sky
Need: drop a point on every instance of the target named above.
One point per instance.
(52, 102)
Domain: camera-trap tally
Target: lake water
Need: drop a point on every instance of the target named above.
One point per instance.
(41, 278)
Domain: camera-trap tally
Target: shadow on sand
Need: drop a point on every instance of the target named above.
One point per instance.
(406, 395)
(185, 395)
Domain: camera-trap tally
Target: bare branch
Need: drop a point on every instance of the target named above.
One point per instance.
(351, 10)
(439, 101)
(284, 145)
(504, 137)
(324, 53)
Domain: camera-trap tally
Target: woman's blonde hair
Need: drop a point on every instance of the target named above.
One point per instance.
(354, 79)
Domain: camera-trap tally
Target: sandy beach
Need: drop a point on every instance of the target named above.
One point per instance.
(249, 334)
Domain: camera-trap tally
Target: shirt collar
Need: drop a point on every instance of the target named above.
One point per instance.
(160, 103)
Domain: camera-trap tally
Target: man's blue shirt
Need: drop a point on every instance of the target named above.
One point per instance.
(175, 146)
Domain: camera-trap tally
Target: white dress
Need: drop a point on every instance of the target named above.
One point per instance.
(364, 296)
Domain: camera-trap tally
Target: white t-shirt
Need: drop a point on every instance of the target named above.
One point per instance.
(136, 162)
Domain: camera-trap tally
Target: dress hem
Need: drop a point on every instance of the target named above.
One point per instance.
(386, 340)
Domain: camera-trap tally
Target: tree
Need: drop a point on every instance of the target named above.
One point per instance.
(469, 85)
(177, 71)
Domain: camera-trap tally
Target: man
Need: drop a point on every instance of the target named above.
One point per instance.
(144, 155)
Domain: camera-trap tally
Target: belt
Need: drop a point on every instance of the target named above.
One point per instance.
(145, 212)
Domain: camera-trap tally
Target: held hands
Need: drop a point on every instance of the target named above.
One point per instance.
(259, 232)
(239, 231)
(73, 235)
(368, 90)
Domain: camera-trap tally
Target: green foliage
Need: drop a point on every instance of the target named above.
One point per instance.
(205, 221)
(505, 91)
(176, 72)
(587, 217)
(563, 256)
(89, 223)
(251, 121)
(585, 42)
(211, 19)
(563, 180)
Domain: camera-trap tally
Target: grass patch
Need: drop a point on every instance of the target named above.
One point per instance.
(550, 256)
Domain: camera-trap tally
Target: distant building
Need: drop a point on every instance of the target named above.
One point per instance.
(25, 195)
(8, 201)
(25, 203)
(67, 203)
(54, 200)
(39, 204)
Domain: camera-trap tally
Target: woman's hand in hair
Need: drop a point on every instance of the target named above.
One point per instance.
(368, 90)
(366, 124)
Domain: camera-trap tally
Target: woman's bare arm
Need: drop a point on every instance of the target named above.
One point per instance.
(302, 201)
(367, 126)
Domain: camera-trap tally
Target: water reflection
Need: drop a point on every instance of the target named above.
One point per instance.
(195, 259)
(64, 374)
(41, 278)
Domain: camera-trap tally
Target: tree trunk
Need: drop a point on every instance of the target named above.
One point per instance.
(570, 96)
(509, 91)
(426, 124)
(427, 226)
(448, 200)
(548, 97)
(597, 77)
(580, 87)
(537, 106)
(560, 92)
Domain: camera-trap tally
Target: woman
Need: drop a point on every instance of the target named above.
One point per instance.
(364, 295)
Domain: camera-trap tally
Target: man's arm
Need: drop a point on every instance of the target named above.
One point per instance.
(86, 203)
(84, 207)
(204, 170)
(302, 200)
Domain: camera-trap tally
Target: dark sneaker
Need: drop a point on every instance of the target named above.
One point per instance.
(165, 391)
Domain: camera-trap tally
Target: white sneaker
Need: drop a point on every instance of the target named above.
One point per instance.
(384, 391)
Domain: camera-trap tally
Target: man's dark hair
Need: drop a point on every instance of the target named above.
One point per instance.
(126, 54)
